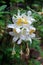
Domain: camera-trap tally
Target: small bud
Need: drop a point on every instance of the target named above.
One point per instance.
(21, 52)
(27, 51)
(13, 52)
(2, 31)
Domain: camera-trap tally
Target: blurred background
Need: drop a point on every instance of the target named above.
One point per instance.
(34, 4)
(7, 9)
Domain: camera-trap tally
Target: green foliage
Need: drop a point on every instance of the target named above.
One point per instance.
(2, 23)
(34, 61)
(40, 28)
(35, 44)
(17, 1)
(6, 39)
(3, 15)
(2, 7)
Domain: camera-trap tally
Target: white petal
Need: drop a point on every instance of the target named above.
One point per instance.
(29, 22)
(15, 39)
(23, 15)
(32, 19)
(18, 30)
(32, 35)
(30, 39)
(33, 28)
(13, 19)
(10, 25)
(19, 41)
(22, 37)
(29, 13)
(11, 33)
(18, 12)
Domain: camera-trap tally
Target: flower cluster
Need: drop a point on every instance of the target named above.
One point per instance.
(22, 27)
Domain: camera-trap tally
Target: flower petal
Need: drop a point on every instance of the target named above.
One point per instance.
(19, 41)
(15, 39)
(10, 25)
(18, 30)
(11, 33)
(29, 13)
(33, 28)
(22, 37)
(30, 39)
(18, 12)
(13, 19)
(32, 19)
(32, 35)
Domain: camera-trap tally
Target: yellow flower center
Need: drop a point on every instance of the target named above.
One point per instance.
(31, 31)
(21, 21)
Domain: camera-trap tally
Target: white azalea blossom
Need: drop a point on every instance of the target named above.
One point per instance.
(22, 28)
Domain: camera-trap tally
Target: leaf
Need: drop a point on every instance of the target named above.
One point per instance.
(2, 23)
(35, 43)
(40, 28)
(2, 7)
(36, 62)
(17, 1)
(4, 12)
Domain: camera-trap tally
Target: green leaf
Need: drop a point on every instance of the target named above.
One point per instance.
(40, 28)
(17, 1)
(4, 13)
(35, 43)
(34, 62)
(2, 23)
(2, 7)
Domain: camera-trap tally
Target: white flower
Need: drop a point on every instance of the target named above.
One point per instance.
(21, 19)
(22, 28)
(28, 34)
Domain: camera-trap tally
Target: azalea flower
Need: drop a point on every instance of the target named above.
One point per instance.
(22, 28)
(27, 34)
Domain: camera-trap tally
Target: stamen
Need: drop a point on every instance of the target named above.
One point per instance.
(31, 31)
(21, 21)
